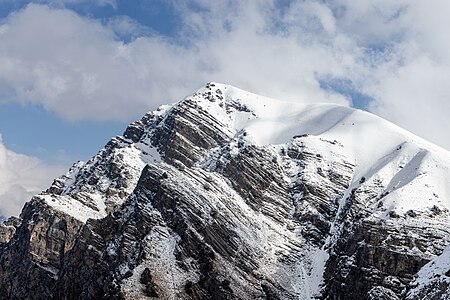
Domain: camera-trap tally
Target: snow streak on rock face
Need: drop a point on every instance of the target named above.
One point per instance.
(229, 195)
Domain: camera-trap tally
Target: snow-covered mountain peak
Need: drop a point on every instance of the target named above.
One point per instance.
(228, 194)
(368, 141)
(382, 153)
(272, 121)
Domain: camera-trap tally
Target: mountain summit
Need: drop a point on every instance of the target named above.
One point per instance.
(230, 195)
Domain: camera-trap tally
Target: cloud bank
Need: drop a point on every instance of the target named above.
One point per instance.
(79, 68)
(396, 53)
(21, 177)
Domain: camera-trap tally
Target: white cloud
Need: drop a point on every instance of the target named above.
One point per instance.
(410, 83)
(396, 52)
(127, 27)
(78, 68)
(21, 177)
(63, 3)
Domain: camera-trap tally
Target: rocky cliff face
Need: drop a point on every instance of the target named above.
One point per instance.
(228, 195)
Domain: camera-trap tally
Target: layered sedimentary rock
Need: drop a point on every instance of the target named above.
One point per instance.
(229, 195)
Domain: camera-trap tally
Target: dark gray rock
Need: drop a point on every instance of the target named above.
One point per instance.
(216, 217)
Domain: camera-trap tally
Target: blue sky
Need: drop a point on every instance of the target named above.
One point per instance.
(35, 131)
(74, 73)
(155, 14)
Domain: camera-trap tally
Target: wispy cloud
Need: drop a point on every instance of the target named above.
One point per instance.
(21, 177)
(395, 53)
(64, 3)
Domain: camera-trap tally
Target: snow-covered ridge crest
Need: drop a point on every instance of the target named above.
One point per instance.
(378, 149)
(373, 144)
(273, 121)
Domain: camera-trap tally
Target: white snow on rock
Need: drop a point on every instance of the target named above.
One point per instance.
(94, 200)
(435, 272)
(379, 149)
(408, 175)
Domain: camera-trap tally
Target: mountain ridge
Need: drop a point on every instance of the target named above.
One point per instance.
(227, 194)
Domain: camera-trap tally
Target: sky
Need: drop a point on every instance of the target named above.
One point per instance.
(74, 73)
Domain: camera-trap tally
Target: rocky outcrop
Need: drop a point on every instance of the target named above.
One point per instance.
(7, 229)
(195, 201)
(31, 260)
(379, 257)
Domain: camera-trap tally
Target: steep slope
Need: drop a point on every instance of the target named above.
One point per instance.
(433, 280)
(230, 195)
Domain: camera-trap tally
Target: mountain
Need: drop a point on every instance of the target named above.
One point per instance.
(230, 195)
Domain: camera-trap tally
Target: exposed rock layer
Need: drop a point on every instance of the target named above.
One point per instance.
(189, 204)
